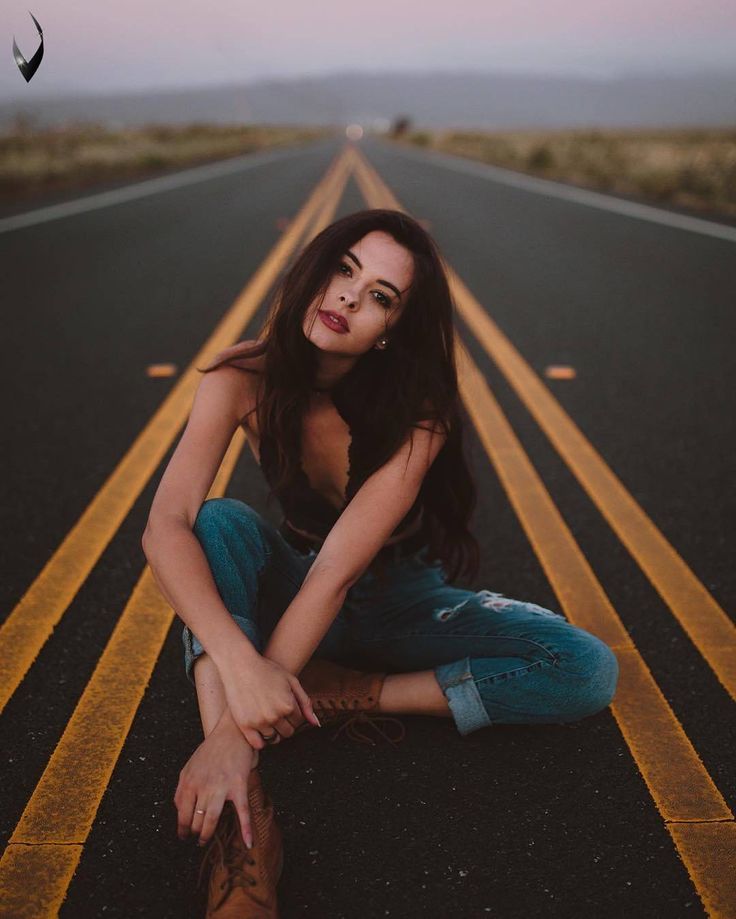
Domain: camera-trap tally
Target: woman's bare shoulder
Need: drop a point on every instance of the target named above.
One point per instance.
(243, 362)
(242, 377)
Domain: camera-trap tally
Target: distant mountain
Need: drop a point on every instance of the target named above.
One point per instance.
(430, 99)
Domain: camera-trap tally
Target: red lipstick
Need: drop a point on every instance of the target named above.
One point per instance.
(337, 324)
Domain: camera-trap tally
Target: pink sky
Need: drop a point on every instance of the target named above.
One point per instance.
(141, 45)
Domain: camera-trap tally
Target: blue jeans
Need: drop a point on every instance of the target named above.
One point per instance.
(497, 661)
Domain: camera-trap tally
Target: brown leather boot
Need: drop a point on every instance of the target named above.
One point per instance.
(243, 881)
(351, 696)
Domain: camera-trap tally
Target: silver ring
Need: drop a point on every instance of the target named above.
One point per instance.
(271, 737)
(198, 811)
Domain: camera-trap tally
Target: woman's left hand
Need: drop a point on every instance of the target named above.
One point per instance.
(217, 771)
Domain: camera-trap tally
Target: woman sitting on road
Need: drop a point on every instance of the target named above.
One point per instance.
(350, 403)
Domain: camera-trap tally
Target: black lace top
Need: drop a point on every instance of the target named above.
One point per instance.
(306, 508)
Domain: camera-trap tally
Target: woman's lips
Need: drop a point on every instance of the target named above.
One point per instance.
(331, 323)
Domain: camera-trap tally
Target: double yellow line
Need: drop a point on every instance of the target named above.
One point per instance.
(695, 813)
(47, 843)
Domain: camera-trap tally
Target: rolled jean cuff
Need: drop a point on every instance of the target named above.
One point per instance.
(193, 647)
(461, 691)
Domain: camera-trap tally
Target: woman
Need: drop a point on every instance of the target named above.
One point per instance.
(350, 404)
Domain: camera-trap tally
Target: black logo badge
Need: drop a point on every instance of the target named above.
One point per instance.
(28, 68)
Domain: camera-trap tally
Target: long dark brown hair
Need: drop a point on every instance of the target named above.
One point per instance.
(414, 379)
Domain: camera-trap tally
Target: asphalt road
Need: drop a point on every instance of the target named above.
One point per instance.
(511, 821)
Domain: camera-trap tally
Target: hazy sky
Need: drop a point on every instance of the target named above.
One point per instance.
(140, 45)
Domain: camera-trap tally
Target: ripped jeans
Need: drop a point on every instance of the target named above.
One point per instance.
(497, 660)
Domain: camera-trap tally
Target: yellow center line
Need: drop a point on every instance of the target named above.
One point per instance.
(55, 860)
(47, 843)
(695, 813)
(709, 628)
(707, 625)
(32, 621)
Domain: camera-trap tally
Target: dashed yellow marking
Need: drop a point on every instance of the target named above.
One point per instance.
(161, 370)
(559, 372)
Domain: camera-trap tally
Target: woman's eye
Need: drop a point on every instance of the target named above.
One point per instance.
(384, 301)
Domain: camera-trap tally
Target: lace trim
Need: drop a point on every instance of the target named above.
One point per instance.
(326, 513)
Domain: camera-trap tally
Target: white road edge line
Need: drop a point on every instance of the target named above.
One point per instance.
(584, 196)
(146, 187)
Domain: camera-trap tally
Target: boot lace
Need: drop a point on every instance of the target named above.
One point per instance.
(222, 849)
(351, 724)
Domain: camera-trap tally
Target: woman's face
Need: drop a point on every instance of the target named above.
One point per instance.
(361, 290)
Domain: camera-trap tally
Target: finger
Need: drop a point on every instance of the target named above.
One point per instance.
(197, 818)
(185, 808)
(254, 738)
(297, 721)
(212, 815)
(305, 703)
(271, 732)
(269, 728)
(246, 827)
(284, 727)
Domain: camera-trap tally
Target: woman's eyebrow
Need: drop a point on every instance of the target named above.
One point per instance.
(355, 258)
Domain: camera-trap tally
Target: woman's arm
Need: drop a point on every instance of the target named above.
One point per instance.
(260, 693)
(306, 619)
(372, 515)
(174, 553)
(184, 577)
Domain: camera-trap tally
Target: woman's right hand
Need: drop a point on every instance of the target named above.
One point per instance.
(219, 770)
(262, 697)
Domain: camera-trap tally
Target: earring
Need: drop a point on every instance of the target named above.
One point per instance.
(383, 342)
